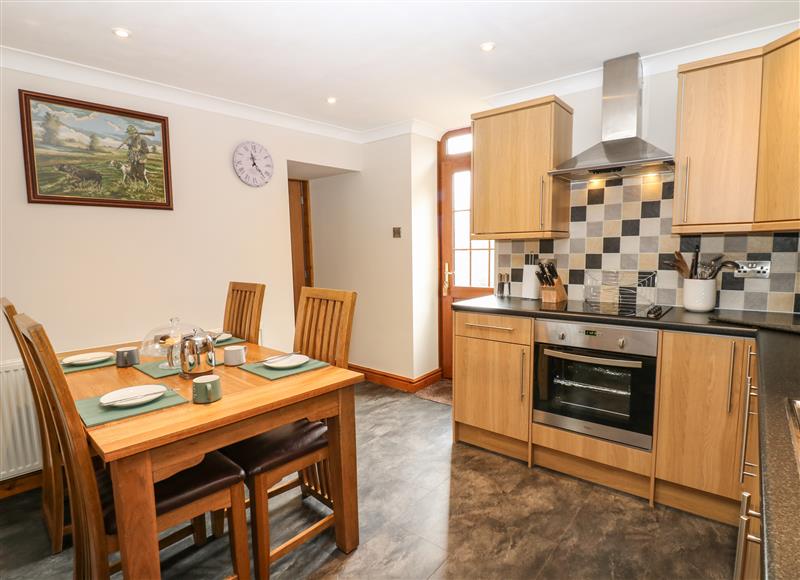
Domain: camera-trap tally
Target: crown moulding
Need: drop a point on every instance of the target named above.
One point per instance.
(47, 66)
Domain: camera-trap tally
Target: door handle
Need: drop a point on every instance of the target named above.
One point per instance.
(730, 375)
(446, 279)
(611, 362)
(686, 192)
(541, 203)
(522, 376)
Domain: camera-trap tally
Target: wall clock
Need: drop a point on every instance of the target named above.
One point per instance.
(252, 163)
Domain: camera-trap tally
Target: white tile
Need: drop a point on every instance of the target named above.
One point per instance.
(629, 245)
(613, 194)
(561, 246)
(731, 299)
(667, 279)
(575, 292)
(756, 284)
(611, 262)
(594, 213)
(577, 229)
(650, 227)
(712, 244)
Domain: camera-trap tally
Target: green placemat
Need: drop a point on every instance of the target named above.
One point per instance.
(152, 369)
(75, 368)
(258, 368)
(230, 341)
(93, 413)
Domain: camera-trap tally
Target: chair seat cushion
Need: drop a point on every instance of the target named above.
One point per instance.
(279, 446)
(214, 473)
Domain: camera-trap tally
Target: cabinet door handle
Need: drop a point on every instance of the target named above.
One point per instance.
(489, 326)
(744, 536)
(686, 192)
(745, 431)
(541, 203)
(750, 354)
(522, 376)
(730, 375)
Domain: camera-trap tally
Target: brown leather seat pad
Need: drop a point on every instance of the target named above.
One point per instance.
(216, 472)
(278, 446)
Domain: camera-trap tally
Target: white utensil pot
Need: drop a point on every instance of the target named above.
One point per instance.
(699, 295)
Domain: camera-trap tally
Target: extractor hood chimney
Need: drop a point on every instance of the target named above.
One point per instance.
(622, 152)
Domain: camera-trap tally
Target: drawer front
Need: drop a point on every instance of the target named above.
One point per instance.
(514, 329)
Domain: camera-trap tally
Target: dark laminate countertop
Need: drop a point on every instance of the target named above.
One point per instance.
(779, 379)
(778, 347)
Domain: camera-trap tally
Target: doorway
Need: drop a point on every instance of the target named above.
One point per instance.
(300, 233)
(466, 266)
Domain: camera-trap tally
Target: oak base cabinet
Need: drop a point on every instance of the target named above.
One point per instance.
(700, 412)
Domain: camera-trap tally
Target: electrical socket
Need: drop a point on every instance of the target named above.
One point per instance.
(752, 269)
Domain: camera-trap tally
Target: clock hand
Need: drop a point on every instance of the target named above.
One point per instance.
(253, 159)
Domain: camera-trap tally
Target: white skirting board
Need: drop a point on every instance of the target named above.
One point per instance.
(20, 445)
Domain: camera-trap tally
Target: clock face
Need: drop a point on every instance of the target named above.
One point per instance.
(252, 163)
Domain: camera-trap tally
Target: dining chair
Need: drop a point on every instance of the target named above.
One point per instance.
(322, 331)
(215, 483)
(53, 492)
(243, 310)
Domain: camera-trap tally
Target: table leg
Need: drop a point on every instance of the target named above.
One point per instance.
(135, 507)
(342, 443)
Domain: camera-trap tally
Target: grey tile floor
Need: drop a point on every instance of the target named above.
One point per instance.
(429, 509)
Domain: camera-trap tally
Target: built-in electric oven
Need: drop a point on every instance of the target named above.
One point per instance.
(596, 379)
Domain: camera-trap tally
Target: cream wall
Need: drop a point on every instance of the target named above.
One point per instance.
(396, 325)
(98, 275)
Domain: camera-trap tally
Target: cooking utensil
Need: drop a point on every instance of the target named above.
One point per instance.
(551, 269)
(681, 266)
(695, 261)
(548, 281)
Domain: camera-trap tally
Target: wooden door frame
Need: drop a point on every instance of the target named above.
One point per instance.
(306, 237)
(445, 229)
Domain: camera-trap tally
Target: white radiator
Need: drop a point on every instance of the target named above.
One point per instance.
(20, 445)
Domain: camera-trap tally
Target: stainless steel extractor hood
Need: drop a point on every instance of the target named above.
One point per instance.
(622, 152)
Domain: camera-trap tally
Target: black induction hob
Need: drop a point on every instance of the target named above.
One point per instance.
(650, 311)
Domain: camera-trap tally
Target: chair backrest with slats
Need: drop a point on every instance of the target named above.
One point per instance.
(49, 441)
(91, 560)
(243, 310)
(324, 324)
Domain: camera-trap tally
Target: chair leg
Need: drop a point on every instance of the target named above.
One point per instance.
(218, 523)
(199, 530)
(237, 522)
(259, 521)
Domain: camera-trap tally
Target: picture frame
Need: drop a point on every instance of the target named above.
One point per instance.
(82, 153)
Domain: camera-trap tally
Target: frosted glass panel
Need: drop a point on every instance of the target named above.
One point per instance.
(480, 268)
(462, 186)
(461, 230)
(480, 244)
(459, 144)
(462, 267)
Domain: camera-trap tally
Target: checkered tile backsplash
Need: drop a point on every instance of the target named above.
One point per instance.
(624, 225)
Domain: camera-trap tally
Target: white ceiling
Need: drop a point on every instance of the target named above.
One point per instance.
(385, 62)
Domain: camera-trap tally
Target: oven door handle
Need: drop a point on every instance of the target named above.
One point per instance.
(628, 364)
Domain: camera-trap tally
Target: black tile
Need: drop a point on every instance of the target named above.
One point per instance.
(651, 209)
(785, 242)
(516, 274)
(647, 279)
(797, 303)
(759, 256)
(613, 182)
(663, 260)
(594, 261)
(595, 196)
(611, 245)
(577, 213)
(731, 283)
(545, 246)
(576, 276)
(668, 190)
(688, 243)
(630, 227)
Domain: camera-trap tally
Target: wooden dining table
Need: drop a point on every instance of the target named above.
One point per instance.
(150, 447)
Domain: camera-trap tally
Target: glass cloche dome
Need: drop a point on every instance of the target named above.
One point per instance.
(156, 343)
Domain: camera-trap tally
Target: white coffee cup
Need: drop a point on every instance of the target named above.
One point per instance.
(235, 355)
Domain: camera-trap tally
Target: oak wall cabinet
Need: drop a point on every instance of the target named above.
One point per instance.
(492, 371)
(514, 147)
(737, 157)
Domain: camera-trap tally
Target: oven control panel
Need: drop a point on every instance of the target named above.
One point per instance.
(606, 337)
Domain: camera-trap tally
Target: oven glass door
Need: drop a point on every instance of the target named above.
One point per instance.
(616, 390)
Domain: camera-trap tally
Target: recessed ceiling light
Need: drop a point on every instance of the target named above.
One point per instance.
(121, 32)
(487, 46)
(331, 100)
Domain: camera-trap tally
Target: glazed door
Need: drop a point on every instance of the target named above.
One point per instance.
(466, 266)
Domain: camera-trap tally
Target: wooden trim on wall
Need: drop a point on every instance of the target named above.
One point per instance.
(20, 484)
(396, 381)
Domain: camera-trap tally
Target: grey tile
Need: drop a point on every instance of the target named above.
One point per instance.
(731, 299)
(648, 244)
(785, 262)
(755, 300)
(666, 296)
(712, 244)
(735, 243)
(577, 245)
(666, 225)
(612, 211)
(631, 193)
(517, 246)
(629, 261)
(504, 260)
(594, 229)
(781, 282)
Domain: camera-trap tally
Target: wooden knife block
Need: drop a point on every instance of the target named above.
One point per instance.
(554, 294)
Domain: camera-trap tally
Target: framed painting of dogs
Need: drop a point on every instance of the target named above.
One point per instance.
(84, 153)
